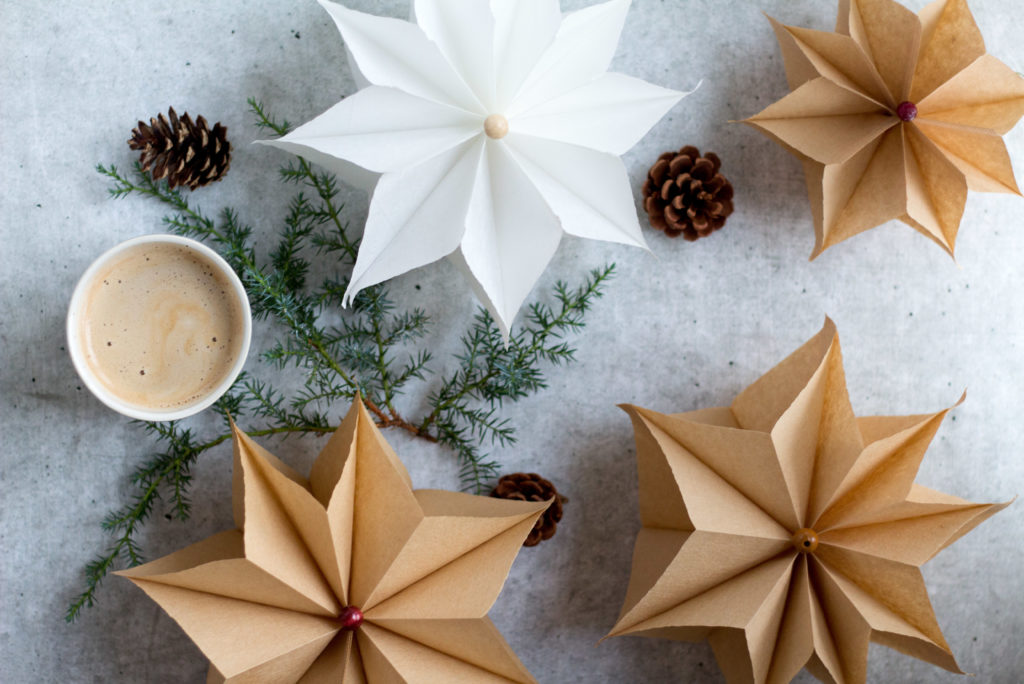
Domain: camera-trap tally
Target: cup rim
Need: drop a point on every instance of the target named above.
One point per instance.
(77, 352)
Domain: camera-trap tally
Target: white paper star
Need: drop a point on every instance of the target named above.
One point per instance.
(489, 128)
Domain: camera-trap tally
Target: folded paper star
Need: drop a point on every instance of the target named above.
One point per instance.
(895, 116)
(490, 128)
(786, 531)
(349, 577)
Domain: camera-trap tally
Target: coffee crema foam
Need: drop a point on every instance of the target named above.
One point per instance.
(162, 326)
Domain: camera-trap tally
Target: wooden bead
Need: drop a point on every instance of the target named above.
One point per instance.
(805, 540)
(496, 126)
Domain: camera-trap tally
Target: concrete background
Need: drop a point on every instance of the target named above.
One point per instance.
(687, 328)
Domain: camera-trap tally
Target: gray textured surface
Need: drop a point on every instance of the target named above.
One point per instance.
(684, 329)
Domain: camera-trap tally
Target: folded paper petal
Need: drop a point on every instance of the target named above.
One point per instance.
(663, 507)
(424, 568)
(262, 642)
(786, 531)
(890, 35)
(383, 130)
(671, 567)
(476, 642)
(936, 189)
(580, 52)
(523, 31)
(416, 136)
(763, 403)
(894, 601)
(800, 68)
(881, 477)
(339, 663)
(385, 520)
(846, 620)
(333, 481)
(389, 656)
(456, 560)
(866, 166)
(865, 191)
(733, 603)
(744, 458)
(285, 529)
(712, 502)
(812, 459)
(979, 154)
(353, 174)
(835, 57)
(803, 631)
(915, 539)
(310, 523)
(418, 216)
(824, 121)
(951, 42)
(238, 473)
(394, 53)
(987, 94)
(740, 617)
(217, 565)
(510, 232)
(357, 434)
(598, 206)
(609, 114)
(466, 587)
(464, 32)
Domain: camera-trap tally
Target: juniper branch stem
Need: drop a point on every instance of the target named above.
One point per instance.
(332, 211)
(383, 419)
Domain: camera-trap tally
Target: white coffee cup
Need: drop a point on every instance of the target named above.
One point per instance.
(87, 288)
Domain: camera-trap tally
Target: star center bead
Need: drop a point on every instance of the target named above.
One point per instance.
(496, 126)
(805, 540)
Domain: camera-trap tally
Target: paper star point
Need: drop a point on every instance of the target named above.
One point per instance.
(788, 532)
(486, 130)
(350, 576)
(894, 116)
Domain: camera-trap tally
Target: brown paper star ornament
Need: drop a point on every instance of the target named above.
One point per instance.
(788, 532)
(894, 116)
(350, 576)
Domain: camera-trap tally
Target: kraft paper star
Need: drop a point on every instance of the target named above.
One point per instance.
(350, 576)
(895, 116)
(487, 130)
(786, 531)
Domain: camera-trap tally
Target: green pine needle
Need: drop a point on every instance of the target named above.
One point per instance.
(366, 353)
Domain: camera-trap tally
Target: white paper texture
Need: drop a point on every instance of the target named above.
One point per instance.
(444, 185)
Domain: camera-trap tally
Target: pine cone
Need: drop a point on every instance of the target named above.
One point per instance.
(533, 487)
(183, 152)
(686, 195)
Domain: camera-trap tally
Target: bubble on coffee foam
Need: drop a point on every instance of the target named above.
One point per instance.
(178, 280)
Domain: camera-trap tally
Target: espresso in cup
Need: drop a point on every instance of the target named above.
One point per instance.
(161, 327)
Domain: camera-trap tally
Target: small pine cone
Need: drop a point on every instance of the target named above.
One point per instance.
(686, 195)
(183, 152)
(533, 487)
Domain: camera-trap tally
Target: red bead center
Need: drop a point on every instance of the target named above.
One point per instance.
(351, 618)
(907, 111)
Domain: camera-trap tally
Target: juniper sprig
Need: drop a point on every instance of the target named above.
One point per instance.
(372, 351)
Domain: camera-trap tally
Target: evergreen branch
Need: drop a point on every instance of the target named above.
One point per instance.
(494, 372)
(324, 184)
(125, 522)
(368, 351)
(265, 121)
